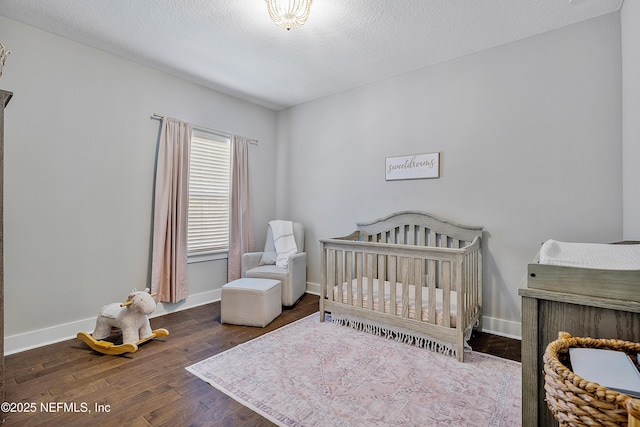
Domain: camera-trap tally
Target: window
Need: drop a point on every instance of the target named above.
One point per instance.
(209, 176)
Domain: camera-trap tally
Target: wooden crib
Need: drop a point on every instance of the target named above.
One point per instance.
(430, 267)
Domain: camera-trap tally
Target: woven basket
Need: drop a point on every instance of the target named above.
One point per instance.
(575, 401)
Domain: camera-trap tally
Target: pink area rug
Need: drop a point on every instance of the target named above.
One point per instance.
(310, 373)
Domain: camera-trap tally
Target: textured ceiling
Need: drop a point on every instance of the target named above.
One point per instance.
(232, 45)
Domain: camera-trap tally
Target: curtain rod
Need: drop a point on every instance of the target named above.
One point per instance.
(227, 134)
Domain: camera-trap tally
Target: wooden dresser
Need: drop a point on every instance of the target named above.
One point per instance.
(546, 312)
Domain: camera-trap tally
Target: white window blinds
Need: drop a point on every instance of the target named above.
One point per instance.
(209, 175)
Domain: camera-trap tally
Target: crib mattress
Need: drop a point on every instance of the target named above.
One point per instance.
(387, 300)
(591, 255)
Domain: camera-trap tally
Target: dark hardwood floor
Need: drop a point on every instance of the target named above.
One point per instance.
(151, 387)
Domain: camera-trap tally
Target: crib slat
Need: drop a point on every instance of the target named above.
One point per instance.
(420, 233)
(445, 275)
(457, 276)
(381, 281)
(405, 286)
(471, 284)
(331, 278)
(419, 274)
(463, 300)
(446, 295)
(359, 261)
(393, 305)
(370, 266)
(323, 285)
(474, 284)
(349, 276)
(432, 291)
(474, 268)
(340, 274)
(431, 241)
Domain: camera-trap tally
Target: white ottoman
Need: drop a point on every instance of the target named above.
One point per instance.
(250, 302)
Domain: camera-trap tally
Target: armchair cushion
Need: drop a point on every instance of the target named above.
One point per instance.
(268, 258)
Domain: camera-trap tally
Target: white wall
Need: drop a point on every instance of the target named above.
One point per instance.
(630, 17)
(80, 151)
(530, 142)
(530, 137)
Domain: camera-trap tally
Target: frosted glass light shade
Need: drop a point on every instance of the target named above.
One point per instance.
(289, 13)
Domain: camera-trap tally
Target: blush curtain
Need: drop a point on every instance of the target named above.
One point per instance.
(169, 250)
(241, 238)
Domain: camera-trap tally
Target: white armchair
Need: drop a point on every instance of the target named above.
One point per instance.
(293, 278)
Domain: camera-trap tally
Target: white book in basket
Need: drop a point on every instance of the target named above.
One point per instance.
(609, 368)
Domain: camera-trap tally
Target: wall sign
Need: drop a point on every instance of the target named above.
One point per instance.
(415, 166)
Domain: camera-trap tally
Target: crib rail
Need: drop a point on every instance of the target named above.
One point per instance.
(420, 229)
(359, 269)
(414, 235)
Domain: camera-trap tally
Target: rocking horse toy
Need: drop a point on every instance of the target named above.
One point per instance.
(131, 317)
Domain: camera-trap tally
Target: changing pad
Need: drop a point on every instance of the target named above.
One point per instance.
(591, 255)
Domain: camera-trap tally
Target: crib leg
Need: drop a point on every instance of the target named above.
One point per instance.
(460, 346)
(321, 306)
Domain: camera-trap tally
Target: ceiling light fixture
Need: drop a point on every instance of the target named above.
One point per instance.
(289, 13)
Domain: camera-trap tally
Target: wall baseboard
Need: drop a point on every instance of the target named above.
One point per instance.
(504, 328)
(313, 288)
(41, 337)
